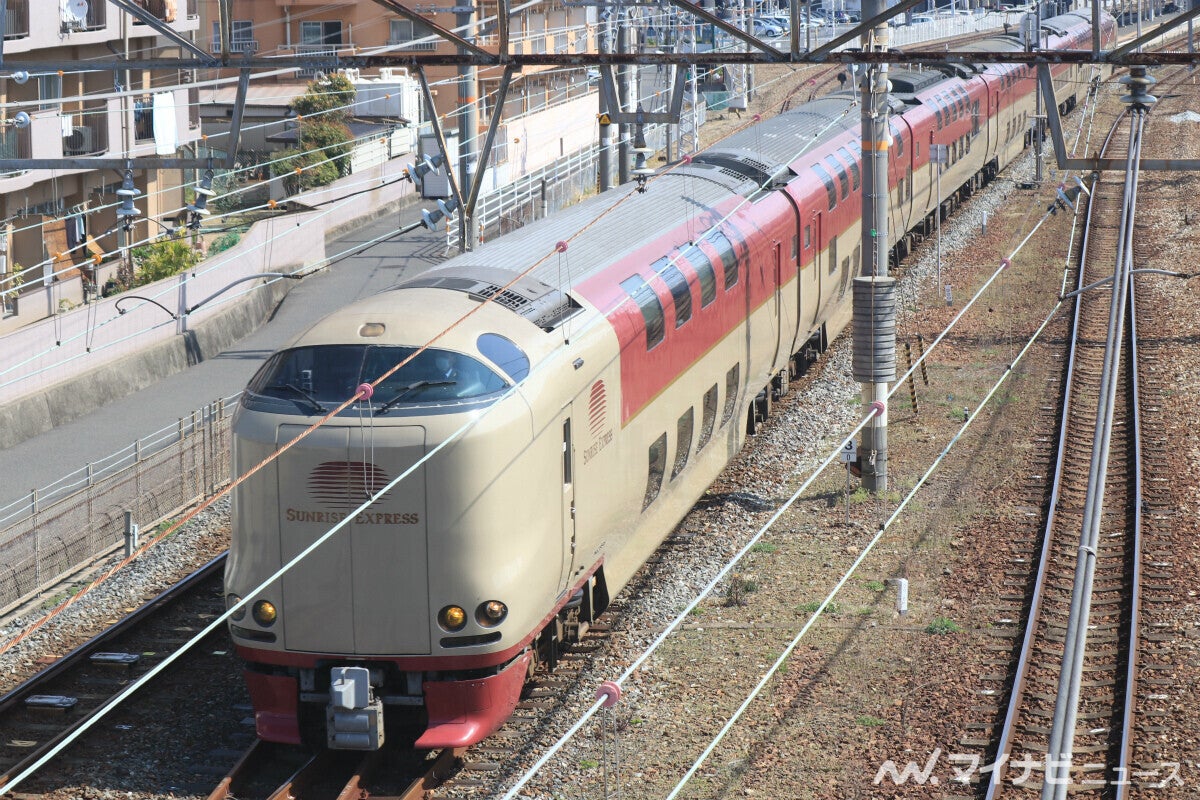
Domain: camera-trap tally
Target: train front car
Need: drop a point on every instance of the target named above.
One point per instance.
(421, 609)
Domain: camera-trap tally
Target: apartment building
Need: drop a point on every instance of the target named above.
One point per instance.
(547, 112)
(79, 114)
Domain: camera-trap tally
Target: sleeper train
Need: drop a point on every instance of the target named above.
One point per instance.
(582, 411)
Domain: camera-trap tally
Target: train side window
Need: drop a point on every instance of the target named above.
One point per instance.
(807, 236)
(908, 183)
(897, 140)
(842, 177)
(855, 175)
(795, 245)
(728, 257)
(567, 479)
(708, 417)
(830, 189)
(704, 272)
(683, 442)
(937, 111)
(856, 147)
(681, 293)
(651, 308)
(658, 465)
(858, 259)
(732, 379)
(832, 254)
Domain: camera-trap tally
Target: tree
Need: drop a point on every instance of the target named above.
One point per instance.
(325, 143)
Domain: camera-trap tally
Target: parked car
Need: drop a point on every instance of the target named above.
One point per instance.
(766, 30)
(782, 22)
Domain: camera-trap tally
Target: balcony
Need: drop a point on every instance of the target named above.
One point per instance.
(95, 19)
(327, 50)
(235, 46)
(88, 132)
(143, 119)
(165, 10)
(14, 143)
(16, 19)
(193, 9)
(413, 46)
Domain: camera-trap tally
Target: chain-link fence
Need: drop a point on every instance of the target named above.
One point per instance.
(82, 516)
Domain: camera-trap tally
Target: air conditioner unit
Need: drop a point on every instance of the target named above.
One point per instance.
(78, 142)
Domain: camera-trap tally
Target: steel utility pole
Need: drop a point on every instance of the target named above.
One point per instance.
(468, 127)
(604, 163)
(623, 75)
(874, 362)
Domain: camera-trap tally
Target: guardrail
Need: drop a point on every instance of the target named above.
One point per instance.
(82, 515)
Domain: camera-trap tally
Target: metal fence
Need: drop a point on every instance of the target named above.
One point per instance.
(81, 516)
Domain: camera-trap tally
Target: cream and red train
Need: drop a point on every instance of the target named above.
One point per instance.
(638, 355)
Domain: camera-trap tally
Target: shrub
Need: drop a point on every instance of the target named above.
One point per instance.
(162, 259)
(224, 242)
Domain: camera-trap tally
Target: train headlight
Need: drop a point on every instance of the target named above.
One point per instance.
(232, 600)
(491, 613)
(452, 618)
(265, 613)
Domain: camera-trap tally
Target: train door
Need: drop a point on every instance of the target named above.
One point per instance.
(568, 498)
(816, 300)
(777, 277)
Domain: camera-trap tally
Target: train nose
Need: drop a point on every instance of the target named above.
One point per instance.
(366, 593)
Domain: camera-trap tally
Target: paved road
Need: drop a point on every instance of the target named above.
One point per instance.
(42, 460)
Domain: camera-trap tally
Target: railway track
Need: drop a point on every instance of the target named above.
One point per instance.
(45, 709)
(277, 772)
(1091, 683)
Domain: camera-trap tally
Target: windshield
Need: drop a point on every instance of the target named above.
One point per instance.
(315, 379)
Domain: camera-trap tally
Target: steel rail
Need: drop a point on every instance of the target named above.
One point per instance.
(15, 698)
(1008, 728)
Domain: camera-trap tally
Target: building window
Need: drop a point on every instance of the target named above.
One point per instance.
(708, 417)
(651, 308)
(403, 32)
(324, 32)
(683, 442)
(658, 465)
(49, 89)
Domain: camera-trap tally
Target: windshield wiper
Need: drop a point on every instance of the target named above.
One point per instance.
(407, 390)
(315, 403)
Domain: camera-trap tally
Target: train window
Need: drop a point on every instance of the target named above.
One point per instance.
(897, 140)
(795, 245)
(858, 259)
(704, 272)
(652, 311)
(908, 183)
(658, 465)
(807, 236)
(708, 417)
(937, 110)
(311, 380)
(832, 254)
(855, 176)
(683, 442)
(856, 146)
(732, 379)
(728, 257)
(567, 478)
(830, 189)
(843, 179)
(681, 293)
(504, 354)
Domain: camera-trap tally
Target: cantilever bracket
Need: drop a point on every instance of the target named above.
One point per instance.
(608, 101)
(1054, 123)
